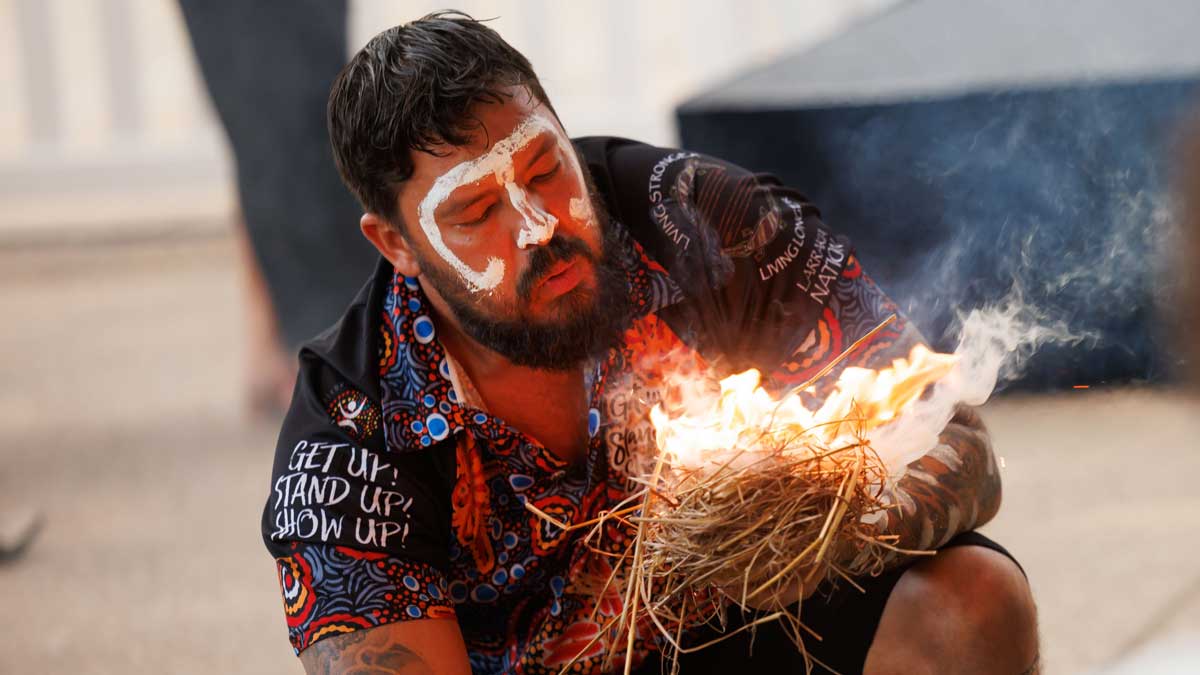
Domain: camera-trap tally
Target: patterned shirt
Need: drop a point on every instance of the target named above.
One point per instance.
(394, 498)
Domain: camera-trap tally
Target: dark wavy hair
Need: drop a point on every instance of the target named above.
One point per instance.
(410, 89)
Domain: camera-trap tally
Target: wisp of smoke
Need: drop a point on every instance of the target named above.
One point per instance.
(994, 345)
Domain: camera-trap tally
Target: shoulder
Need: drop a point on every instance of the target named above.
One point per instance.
(334, 479)
(349, 350)
(337, 390)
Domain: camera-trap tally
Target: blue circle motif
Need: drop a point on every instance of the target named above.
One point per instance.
(438, 427)
(414, 304)
(411, 583)
(519, 481)
(444, 368)
(426, 441)
(411, 282)
(480, 418)
(414, 611)
(517, 571)
(499, 577)
(510, 540)
(444, 406)
(484, 593)
(423, 329)
(429, 400)
(458, 591)
(593, 422)
(434, 591)
(417, 427)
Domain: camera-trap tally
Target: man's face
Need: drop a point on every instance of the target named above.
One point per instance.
(506, 230)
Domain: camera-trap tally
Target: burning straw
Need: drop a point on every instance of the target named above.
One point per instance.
(755, 501)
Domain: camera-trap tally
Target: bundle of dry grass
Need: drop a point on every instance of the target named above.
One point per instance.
(757, 535)
(780, 509)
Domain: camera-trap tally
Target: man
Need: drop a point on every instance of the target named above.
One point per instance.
(535, 296)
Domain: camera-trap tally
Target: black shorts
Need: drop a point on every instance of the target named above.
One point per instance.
(846, 622)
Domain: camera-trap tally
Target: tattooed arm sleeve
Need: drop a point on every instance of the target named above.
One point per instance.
(427, 647)
(953, 488)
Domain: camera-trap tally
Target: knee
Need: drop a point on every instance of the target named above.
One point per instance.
(969, 609)
(980, 591)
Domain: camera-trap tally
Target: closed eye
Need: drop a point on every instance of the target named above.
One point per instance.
(477, 221)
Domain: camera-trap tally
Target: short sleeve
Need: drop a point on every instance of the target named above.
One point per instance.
(331, 590)
(359, 532)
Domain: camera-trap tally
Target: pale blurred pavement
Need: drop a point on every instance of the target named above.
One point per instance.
(120, 371)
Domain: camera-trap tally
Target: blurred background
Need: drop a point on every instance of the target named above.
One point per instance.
(965, 147)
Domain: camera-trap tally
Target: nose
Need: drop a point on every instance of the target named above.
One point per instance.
(537, 224)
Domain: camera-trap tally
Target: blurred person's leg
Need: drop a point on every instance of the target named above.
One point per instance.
(1189, 327)
(268, 66)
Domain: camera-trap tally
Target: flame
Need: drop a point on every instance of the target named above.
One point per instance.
(745, 419)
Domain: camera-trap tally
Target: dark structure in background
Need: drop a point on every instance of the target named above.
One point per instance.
(963, 146)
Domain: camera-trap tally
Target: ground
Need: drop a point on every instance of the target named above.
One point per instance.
(120, 404)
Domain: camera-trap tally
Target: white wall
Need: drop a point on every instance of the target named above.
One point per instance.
(105, 127)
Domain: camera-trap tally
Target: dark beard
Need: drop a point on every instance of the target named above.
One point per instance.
(588, 325)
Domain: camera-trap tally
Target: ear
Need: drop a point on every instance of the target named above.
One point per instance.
(390, 244)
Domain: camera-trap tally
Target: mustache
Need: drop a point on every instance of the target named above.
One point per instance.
(560, 247)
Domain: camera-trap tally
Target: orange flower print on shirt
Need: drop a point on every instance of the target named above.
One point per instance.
(570, 644)
(472, 505)
(648, 341)
(595, 580)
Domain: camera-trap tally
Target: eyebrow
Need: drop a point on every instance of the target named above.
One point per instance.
(452, 206)
(544, 141)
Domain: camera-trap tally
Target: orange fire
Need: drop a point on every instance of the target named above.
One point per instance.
(745, 418)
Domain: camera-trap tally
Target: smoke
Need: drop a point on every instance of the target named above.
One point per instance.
(1099, 295)
(1058, 200)
(1061, 302)
(1073, 293)
(995, 344)
(1086, 286)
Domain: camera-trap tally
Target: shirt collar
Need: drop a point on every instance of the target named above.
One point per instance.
(420, 405)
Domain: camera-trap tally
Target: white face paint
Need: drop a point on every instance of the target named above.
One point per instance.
(538, 225)
(581, 209)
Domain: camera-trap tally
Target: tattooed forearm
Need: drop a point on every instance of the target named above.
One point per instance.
(954, 488)
(363, 652)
